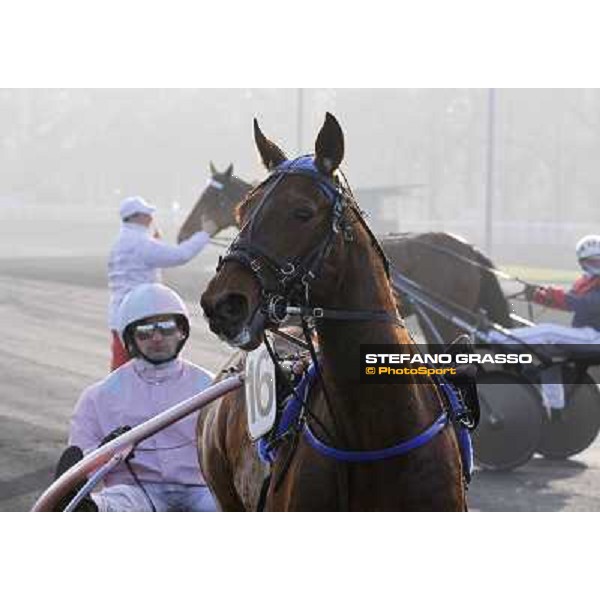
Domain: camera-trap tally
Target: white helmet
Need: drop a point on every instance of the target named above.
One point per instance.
(151, 300)
(587, 247)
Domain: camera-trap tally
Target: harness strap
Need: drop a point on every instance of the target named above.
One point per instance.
(267, 449)
(262, 498)
(345, 315)
(458, 413)
(290, 338)
(376, 455)
(319, 374)
(465, 259)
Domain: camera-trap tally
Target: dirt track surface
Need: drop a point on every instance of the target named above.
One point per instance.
(55, 343)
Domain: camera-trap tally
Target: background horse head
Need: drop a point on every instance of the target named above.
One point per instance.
(303, 241)
(216, 203)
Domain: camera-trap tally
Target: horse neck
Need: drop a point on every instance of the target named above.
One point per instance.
(396, 411)
(363, 286)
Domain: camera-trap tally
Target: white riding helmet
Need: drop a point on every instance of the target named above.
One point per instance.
(151, 300)
(587, 247)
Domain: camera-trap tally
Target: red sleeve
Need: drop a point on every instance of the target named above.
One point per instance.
(585, 284)
(552, 297)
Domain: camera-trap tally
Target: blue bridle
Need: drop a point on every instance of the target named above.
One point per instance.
(305, 165)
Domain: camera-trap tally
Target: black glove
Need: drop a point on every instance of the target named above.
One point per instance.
(114, 434)
(70, 457)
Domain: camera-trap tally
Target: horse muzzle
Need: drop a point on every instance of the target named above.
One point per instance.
(231, 318)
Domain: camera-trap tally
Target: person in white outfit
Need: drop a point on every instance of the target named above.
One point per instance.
(163, 473)
(137, 257)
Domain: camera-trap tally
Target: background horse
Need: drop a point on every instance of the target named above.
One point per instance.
(456, 275)
(445, 265)
(291, 220)
(216, 203)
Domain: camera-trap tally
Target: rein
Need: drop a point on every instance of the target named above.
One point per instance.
(459, 257)
(521, 294)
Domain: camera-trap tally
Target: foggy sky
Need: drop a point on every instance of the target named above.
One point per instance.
(89, 148)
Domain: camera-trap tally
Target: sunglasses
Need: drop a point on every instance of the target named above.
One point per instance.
(146, 331)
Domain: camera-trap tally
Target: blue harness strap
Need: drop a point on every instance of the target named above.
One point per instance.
(267, 448)
(361, 456)
(457, 410)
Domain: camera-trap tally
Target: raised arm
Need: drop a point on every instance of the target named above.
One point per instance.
(156, 253)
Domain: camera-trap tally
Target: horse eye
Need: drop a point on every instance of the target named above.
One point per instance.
(304, 214)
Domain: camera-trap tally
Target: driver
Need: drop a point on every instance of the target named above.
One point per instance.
(583, 300)
(163, 472)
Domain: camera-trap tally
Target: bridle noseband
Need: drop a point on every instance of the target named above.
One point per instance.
(286, 286)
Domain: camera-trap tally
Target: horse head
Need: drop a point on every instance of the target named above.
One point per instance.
(295, 228)
(216, 203)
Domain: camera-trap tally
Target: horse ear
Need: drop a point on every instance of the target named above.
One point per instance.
(229, 172)
(329, 147)
(270, 154)
(213, 169)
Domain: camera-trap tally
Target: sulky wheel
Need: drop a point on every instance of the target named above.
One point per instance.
(571, 430)
(511, 420)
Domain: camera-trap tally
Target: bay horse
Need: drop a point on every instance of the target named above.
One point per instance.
(444, 264)
(303, 241)
(455, 273)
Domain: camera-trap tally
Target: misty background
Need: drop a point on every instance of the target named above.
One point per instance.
(418, 156)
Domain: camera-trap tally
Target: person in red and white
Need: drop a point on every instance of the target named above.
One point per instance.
(583, 300)
(163, 474)
(137, 257)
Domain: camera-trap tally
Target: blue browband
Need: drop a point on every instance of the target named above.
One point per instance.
(305, 165)
(267, 449)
